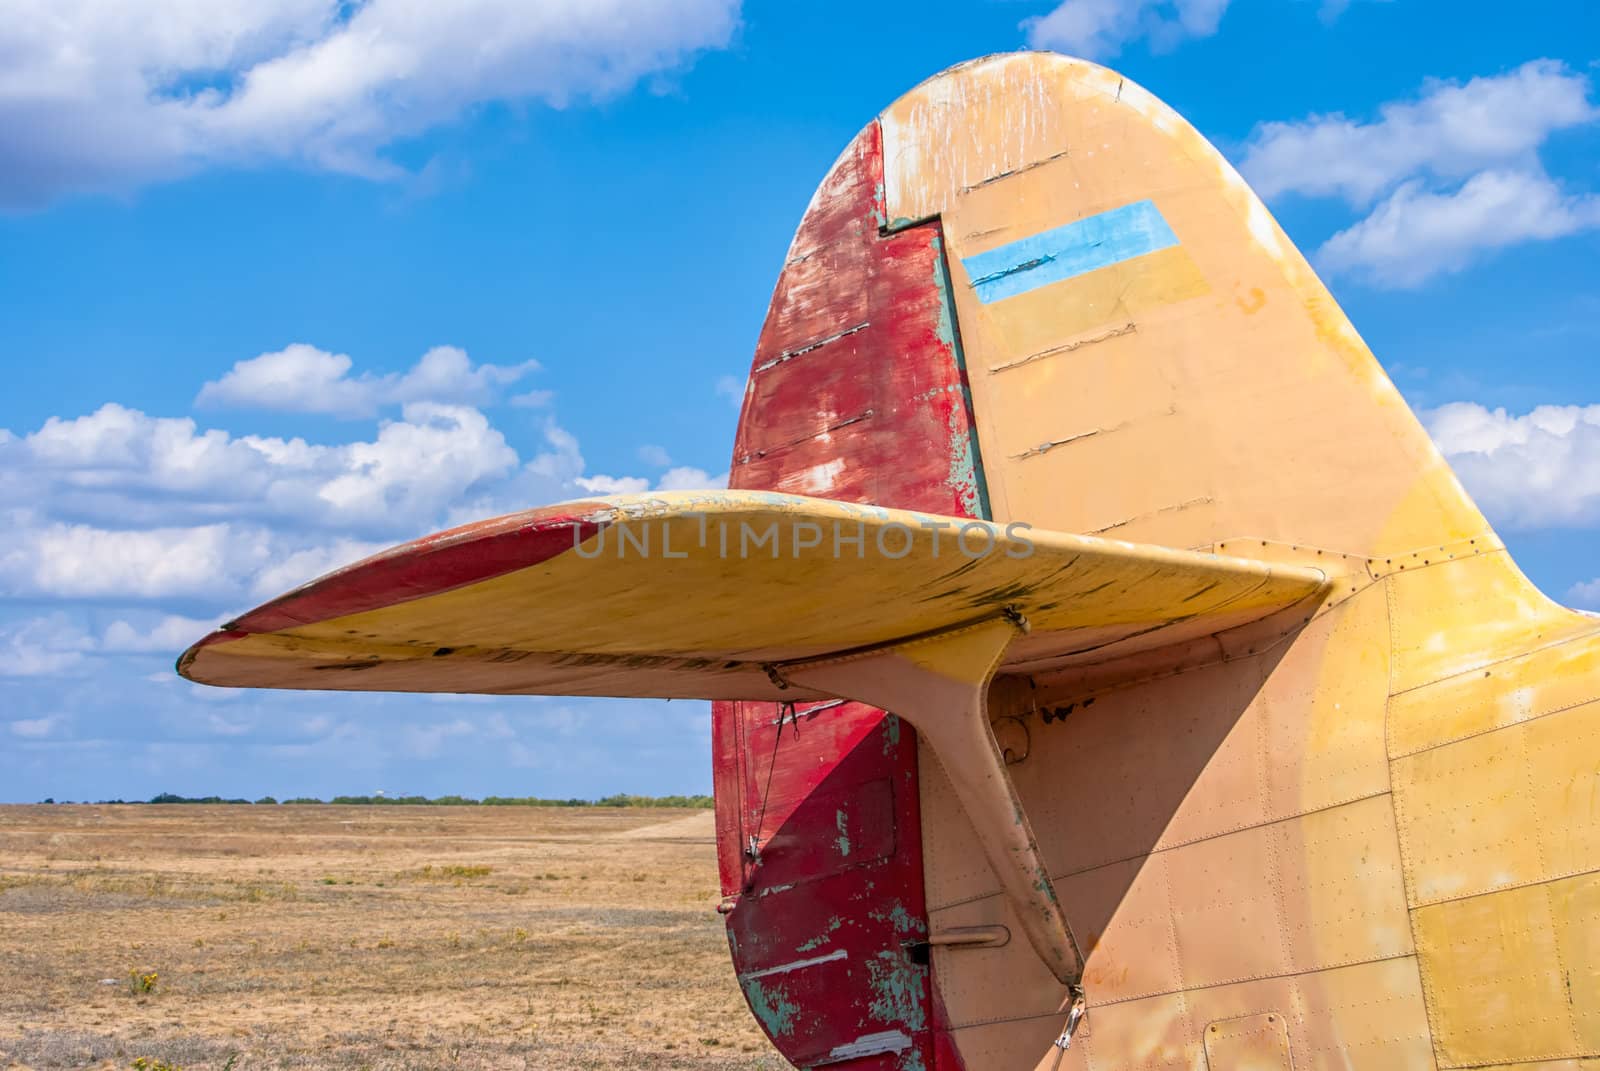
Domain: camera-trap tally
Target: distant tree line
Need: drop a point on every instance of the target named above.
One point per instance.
(619, 800)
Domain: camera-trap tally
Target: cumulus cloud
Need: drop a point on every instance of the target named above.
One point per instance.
(1098, 29)
(1586, 595)
(41, 647)
(1443, 178)
(124, 506)
(600, 484)
(171, 634)
(1450, 131)
(118, 467)
(303, 379)
(680, 478)
(533, 399)
(685, 478)
(1417, 234)
(1537, 469)
(97, 96)
(35, 728)
(655, 456)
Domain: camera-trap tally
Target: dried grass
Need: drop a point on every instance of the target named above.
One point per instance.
(363, 937)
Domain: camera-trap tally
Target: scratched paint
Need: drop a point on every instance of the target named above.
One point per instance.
(882, 400)
(966, 470)
(1380, 817)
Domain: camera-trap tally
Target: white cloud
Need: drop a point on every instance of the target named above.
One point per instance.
(681, 478)
(533, 399)
(1416, 235)
(171, 634)
(35, 728)
(303, 379)
(684, 478)
(1539, 469)
(1450, 131)
(98, 96)
(118, 467)
(122, 506)
(613, 485)
(1097, 29)
(1454, 173)
(42, 647)
(655, 456)
(1586, 595)
(299, 566)
(79, 561)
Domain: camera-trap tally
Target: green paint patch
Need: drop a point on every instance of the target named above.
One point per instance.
(902, 920)
(773, 1007)
(891, 733)
(966, 467)
(822, 938)
(841, 823)
(897, 986)
(963, 475)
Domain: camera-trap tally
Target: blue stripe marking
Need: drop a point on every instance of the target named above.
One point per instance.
(1068, 251)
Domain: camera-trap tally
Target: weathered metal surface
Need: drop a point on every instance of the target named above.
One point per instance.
(1180, 376)
(878, 412)
(1332, 806)
(603, 612)
(940, 684)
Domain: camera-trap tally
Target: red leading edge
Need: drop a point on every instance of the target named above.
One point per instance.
(857, 392)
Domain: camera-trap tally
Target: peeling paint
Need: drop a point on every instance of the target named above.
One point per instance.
(895, 1041)
(966, 465)
(904, 922)
(796, 965)
(898, 985)
(773, 1007)
(822, 938)
(841, 822)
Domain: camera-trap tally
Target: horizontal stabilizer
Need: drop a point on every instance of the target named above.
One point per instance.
(708, 594)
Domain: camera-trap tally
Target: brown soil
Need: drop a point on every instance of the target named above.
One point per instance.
(365, 937)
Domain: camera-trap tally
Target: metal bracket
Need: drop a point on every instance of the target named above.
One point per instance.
(939, 683)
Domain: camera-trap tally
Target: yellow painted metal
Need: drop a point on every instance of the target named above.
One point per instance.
(1340, 778)
(1381, 829)
(675, 598)
(940, 684)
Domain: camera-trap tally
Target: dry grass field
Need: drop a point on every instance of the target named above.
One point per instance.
(253, 937)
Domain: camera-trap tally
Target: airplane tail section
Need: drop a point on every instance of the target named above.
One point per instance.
(1076, 544)
(1149, 356)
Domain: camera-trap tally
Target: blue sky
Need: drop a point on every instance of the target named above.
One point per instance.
(285, 281)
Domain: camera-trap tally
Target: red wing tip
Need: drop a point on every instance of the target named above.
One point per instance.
(221, 635)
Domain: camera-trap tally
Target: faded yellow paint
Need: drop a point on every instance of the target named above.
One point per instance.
(608, 617)
(1334, 790)
(1257, 1042)
(1250, 836)
(1189, 398)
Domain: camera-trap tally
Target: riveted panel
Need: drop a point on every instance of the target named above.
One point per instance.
(1502, 809)
(1546, 681)
(1466, 818)
(1250, 1043)
(1496, 992)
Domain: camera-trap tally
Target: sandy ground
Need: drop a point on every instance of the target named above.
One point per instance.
(365, 937)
